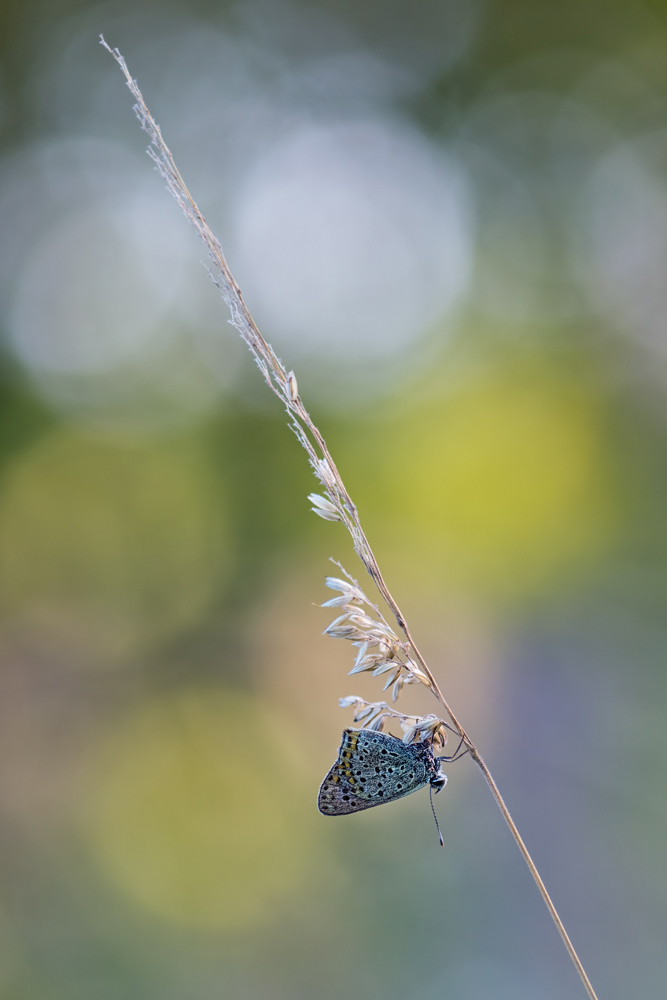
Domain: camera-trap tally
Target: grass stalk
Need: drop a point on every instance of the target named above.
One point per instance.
(336, 504)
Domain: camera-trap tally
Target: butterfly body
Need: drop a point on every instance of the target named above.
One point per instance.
(374, 768)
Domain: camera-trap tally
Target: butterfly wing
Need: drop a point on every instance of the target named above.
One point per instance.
(336, 798)
(372, 768)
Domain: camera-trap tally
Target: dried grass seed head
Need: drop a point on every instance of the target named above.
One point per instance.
(397, 688)
(392, 678)
(323, 507)
(349, 700)
(384, 666)
(374, 715)
(372, 663)
(428, 727)
(350, 593)
(416, 671)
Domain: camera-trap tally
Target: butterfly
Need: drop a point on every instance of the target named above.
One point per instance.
(374, 768)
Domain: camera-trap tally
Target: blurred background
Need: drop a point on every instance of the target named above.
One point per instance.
(450, 218)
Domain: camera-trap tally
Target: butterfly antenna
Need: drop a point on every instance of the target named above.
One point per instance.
(437, 825)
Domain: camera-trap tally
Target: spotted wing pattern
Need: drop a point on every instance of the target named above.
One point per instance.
(373, 768)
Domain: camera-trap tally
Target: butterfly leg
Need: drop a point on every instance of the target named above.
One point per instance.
(457, 753)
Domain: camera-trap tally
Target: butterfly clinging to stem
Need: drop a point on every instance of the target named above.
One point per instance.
(374, 768)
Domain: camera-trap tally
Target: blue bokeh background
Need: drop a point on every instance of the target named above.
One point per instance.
(450, 218)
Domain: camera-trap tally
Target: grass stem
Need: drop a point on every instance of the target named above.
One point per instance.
(283, 384)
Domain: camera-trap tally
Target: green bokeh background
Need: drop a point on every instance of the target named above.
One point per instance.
(168, 705)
